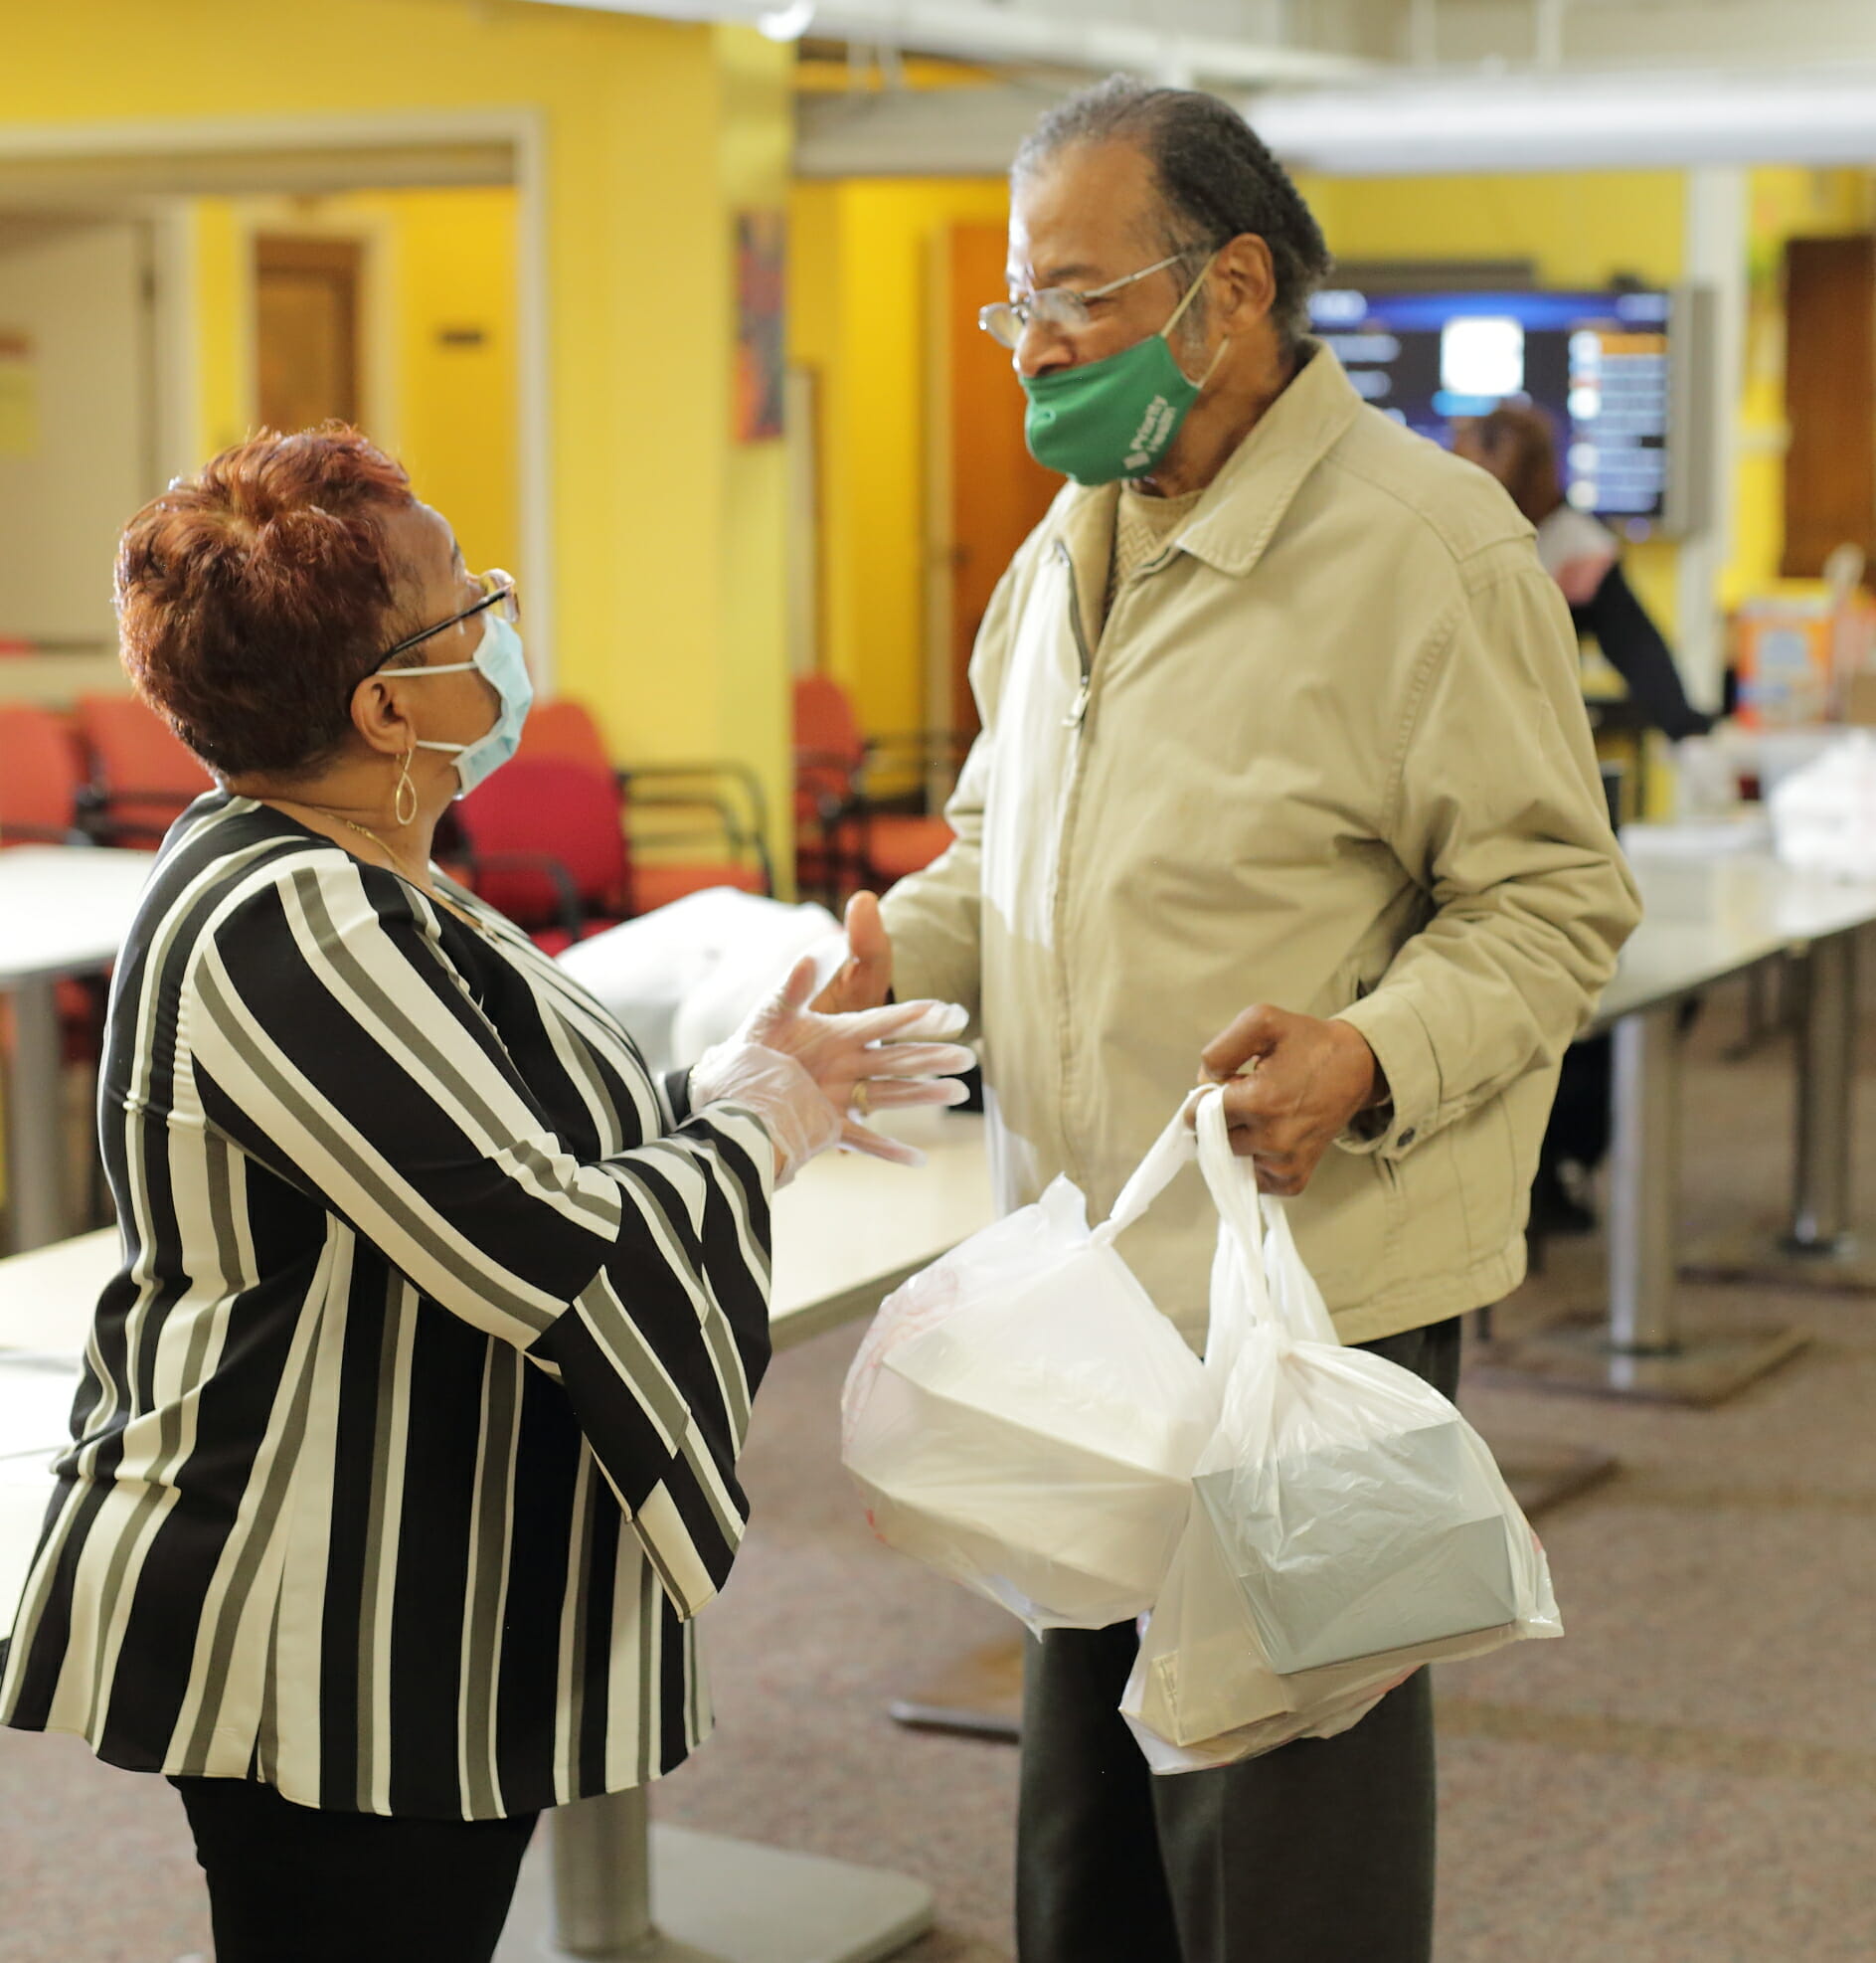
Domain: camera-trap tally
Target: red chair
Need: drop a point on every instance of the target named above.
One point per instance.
(541, 842)
(142, 777)
(41, 778)
(667, 812)
(847, 835)
(565, 728)
(42, 782)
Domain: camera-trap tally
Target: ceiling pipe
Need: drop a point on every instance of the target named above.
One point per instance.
(1547, 31)
(1504, 122)
(993, 33)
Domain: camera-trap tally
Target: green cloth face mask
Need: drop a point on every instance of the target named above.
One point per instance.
(1116, 416)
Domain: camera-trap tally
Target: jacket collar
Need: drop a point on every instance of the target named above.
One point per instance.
(1243, 504)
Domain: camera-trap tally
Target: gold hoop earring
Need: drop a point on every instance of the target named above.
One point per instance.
(405, 788)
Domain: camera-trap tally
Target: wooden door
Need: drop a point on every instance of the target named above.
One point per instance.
(307, 330)
(997, 491)
(1830, 400)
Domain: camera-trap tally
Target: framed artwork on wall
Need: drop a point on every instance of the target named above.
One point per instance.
(761, 356)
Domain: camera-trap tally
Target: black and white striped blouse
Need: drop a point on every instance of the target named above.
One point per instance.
(405, 1447)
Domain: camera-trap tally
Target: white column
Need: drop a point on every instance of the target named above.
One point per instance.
(1713, 255)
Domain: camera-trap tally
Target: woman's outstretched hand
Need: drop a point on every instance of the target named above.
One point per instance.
(880, 1058)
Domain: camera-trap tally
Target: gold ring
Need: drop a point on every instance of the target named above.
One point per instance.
(862, 1099)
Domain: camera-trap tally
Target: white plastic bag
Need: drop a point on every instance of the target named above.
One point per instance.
(684, 976)
(1021, 1417)
(1346, 1526)
(1824, 814)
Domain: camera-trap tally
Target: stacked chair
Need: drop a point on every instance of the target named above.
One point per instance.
(565, 843)
(141, 777)
(849, 831)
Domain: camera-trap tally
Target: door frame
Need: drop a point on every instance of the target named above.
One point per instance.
(189, 156)
(381, 413)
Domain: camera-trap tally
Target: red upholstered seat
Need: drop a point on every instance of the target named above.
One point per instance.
(846, 837)
(142, 777)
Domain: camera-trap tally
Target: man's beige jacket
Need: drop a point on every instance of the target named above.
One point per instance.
(1328, 752)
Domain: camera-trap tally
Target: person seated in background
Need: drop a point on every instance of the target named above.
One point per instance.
(1515, 443)
(406, 1444)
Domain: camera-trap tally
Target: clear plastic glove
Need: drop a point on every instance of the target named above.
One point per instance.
(880, 1059)
(799, 1120)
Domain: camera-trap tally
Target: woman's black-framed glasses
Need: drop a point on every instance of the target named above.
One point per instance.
(498, 591)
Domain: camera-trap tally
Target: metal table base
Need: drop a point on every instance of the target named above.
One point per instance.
(1579, 1356)
(1641, 1352)
(35, 1133)
(1766, 1255)
(1816, 1247)
(604, 1885)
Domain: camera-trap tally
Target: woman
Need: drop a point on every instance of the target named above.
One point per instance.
(407, 1445)
(1514, 442)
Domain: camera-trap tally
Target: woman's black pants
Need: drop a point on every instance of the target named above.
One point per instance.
(295, 1884)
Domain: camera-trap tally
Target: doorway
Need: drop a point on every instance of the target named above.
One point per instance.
(308, 330)
(223, 305)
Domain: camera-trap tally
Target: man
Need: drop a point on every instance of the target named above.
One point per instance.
(1284, 779)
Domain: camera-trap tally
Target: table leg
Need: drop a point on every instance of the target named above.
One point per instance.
(1817, 1246)
(717, 1900)
(35, 1119)
(1638, 1349)
(1826, 1084)
(1644, 1167)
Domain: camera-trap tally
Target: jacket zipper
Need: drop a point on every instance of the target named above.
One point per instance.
(1073, 720)
(1071, 1158)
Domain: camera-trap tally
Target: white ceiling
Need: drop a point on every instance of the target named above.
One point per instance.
(1254, 42)
(1360, 86)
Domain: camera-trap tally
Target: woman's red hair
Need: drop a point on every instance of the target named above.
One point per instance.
(1523, 448)
(253, 596)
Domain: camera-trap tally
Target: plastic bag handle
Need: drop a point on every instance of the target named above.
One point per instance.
(1298, 1299)
(1282, 1291)
(1167, 1157)
(1232, 1193)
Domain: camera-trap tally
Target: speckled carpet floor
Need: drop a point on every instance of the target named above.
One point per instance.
(1690, 1777)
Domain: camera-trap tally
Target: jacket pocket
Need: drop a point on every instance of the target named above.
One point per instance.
(1351, 1225)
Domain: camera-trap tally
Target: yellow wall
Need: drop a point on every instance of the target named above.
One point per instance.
(448, 263)
(754, 156)
(861, 321)
(436, 261)
(651, 510)
(1578, 227)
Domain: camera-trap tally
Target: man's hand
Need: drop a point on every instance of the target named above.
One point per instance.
(865, 979)
(1307, 1079)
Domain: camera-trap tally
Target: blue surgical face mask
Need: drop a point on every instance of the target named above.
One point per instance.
(499, 661)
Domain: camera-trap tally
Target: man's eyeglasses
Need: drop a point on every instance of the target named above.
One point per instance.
(498, 592)
(1060, 307)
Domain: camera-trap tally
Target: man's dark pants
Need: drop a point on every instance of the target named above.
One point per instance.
(1321, 1852)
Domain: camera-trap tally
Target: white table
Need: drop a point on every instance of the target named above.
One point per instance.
(846, 1232)
(1709, 916)
(64, 911)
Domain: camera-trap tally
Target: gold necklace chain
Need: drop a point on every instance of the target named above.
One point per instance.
(382, 844)
(398, 865)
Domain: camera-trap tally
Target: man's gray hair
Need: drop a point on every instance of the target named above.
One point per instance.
(1215, 180)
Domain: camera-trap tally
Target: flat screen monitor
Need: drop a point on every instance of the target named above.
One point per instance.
(1614, 371)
